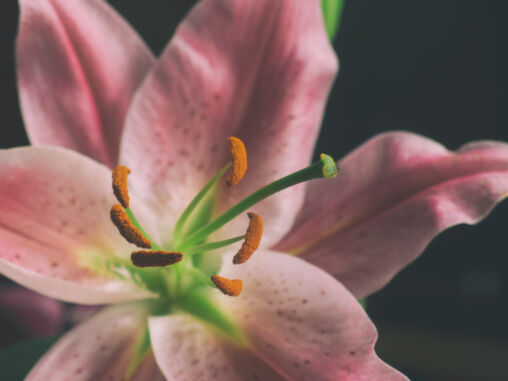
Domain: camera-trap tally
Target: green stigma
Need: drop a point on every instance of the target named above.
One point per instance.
(329, 167)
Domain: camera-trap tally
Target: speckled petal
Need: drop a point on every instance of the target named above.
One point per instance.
(256, 69)
(99, 349)
(303, 322)
(188, 350)
(78, 65)
(54, 222)
(394, 194)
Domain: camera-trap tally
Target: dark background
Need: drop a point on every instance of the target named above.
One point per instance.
(434, 67)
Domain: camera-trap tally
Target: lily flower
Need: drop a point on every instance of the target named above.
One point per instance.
(189, 303)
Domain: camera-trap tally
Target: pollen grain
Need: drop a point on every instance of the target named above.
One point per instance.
(124, 225)
(252, 239)
(239, 160)
(229, 287)
(120, 185)
(158, 258)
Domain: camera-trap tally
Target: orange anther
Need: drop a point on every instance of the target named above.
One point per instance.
(229, 287)
(120, 185)
(126, 228)
(158, 258)
(239, 159)
(252, 239)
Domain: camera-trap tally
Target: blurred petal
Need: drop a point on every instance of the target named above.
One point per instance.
(35, 314)
(80, 312)
(185, 349)
(101, 348)
(393, 195)
(148, 370)
(257, 69)
(54, 221)
(78, 65)
(303, 322)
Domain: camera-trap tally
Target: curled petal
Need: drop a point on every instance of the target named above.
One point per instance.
(78, 64)
(393, 196)
(55, 233)
(260, 70)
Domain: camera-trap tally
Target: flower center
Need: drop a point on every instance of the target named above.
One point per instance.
(172, 272)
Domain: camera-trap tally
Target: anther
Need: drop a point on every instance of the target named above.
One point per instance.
(229, 287)
(120, 185)
(239, 160)
(126, 228)
(252, 239)
(159, 258)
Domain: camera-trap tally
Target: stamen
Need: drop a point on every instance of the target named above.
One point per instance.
(214, 245)
(239, 159)
(120, 185)
(159, 258)
(325, 167)
(252, 239)
(131, 233)
(229, 287)
(194, 203)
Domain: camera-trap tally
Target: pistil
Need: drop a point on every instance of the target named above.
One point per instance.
(324, 168)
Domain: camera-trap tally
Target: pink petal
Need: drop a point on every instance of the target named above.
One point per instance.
(101, 348)
(393, 195)
(78, 65)
(187, 350)
(303, 322)
(35, 314)
(148, 370)
(54, 217)
(257, 69)
(80, 312)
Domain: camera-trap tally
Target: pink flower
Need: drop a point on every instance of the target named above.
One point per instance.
(257, 69)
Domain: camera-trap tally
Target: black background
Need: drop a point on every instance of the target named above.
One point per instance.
(434, 67)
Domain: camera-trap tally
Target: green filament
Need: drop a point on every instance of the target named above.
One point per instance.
(323, 168)
(138, 225)
(213, 245)
(188, 211)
